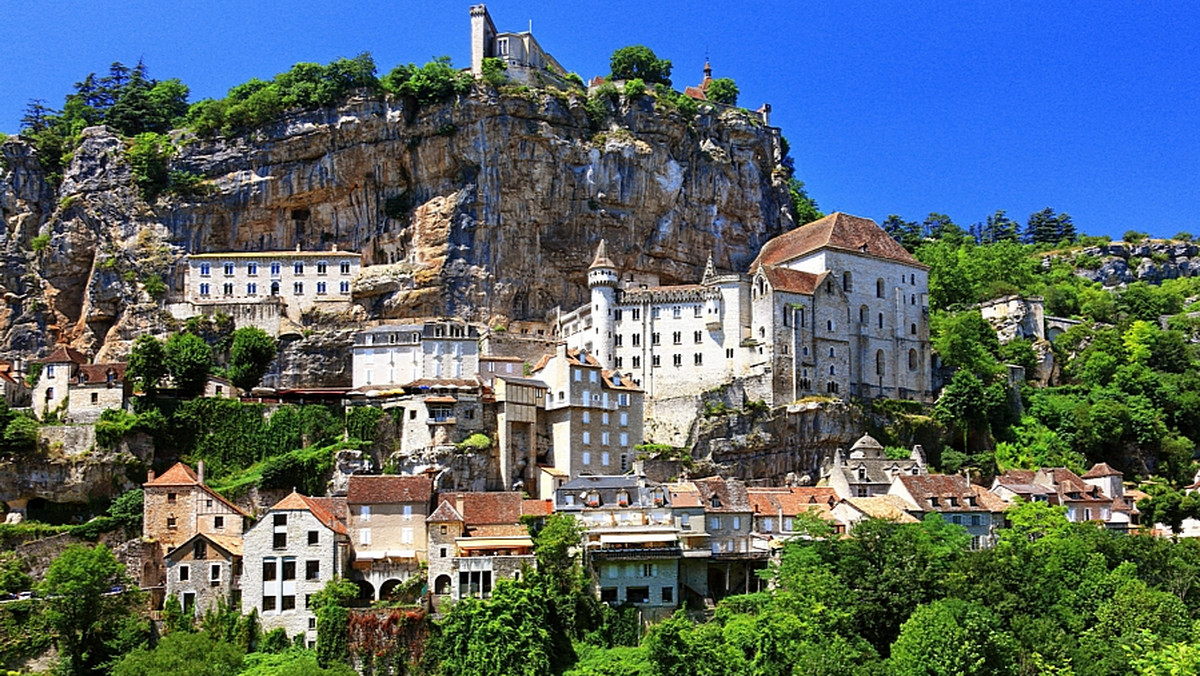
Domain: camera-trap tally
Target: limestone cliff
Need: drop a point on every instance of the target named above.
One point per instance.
(487, 209)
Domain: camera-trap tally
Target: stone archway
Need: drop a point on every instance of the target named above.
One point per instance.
(366, 591)
(441, 586)
(388, 587)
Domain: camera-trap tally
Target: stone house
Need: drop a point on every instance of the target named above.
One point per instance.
(1086, 498)
(1124, 513)
(632, 539)
(867, 471)
(476, 539)
(956, 500)
(203, 570)
(687, 507)
(433, 414)
(95, 388)
(492, 365)
(386, 519)
(289, 554)
(16, 393)
(297, 280)
(53, 383)
(178, 505)
(594, 416)
(730, 521)
(397, 354)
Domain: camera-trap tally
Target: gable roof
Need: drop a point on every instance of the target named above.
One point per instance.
(952, 493)
(388, 489)
(445, 512)
(227, 543)
(790, 501)
(889, 507)
(98, 373)
(480, 508)
(180, 475)
(63, 355)
(791, 281)
(296, 501)
(1101, 470)
(835, 231)
(731, 494)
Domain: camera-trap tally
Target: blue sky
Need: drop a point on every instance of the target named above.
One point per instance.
(891, 107)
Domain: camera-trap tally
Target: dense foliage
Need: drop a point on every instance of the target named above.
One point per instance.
(639, 61)
(250, 356)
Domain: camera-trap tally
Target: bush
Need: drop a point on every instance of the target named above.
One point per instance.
(148, 156)
(1134, 237)
(155, 286)
(722, 90)
(494, 71)
(635, 89)
(476, 443)
(113, 425)
(639, 61)
(39, 243)
(433, 83)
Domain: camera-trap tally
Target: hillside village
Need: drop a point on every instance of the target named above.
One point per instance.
(416, 449)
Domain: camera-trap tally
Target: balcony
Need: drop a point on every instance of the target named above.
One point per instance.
(634, 554)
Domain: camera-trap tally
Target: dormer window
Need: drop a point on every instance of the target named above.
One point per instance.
(862, 473)
(953, 501)
(593, 499)
(623, 499)
(933, 502)
(714, 502)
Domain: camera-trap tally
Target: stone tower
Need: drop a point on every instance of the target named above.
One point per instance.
(483, 37)
(602, 280)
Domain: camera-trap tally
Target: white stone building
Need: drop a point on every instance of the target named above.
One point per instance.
(835, 307)
(524, 59)
(288, 556)
(53, 382)
(397, 354)
(248, 284)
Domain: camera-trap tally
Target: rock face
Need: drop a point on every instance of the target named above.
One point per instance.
(1153, 262)
(487, 209)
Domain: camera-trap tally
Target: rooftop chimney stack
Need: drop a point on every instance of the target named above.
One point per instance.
(200, 472)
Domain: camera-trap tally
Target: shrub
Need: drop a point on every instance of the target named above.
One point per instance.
(494, 71)
(39, 243)
(1134, 237)
(113, 425)
(148, 156)
(187, 184)
(635, 89)
(155, 286)
(722, 90)
(476, 443)
(435, 82)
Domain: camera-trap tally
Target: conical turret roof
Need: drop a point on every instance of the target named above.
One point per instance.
(602, 260)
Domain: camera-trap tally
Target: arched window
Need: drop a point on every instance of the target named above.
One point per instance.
(912, 360)
(912, 329)
(881, 320)
(847, 282)
(829, 325)
(862, 314)
(879, 362)
(879, 288)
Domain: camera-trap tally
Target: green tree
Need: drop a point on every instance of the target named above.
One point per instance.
(147, 364)
(1048, 227)
(333, 621)
(149, 155)
(909, 234)
(188, 360)
(91, 623)
(804, 208)
(639, 61)
(967, 341)
(722, 90)
(250, 357)
(510, 633)
(952, 637)
(183, 653)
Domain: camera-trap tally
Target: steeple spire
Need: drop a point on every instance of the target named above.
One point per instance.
(602, 260)
(710, 270)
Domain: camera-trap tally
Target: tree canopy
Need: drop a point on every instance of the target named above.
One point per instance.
(639, 61)
(250, 356)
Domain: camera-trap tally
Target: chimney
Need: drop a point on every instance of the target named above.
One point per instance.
(458, 503)
(297, 246)
(200, 472)
(149, 475)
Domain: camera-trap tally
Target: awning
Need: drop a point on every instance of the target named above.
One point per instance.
(381, 554)
(494, 543)
(440, 400)
(637, 538)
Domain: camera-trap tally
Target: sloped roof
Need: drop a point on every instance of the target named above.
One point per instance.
(181, 475)
(296, 501)
(952, 492)
(63, 355)
(626, 383)
(602, 260)
(1101, 470)
(98, 373)
(335, 506)
(889, 507)
(835, 231)
(730, 493)
(229, 544)
(989, 500)
(445, 512)
(387, 489)
(532, 507)
(479, 508)
(791, 281)
(684, 494)
(790, 501)
(1015, 477)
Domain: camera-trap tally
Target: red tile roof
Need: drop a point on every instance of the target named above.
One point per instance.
(388, 489)
(1101, 470)
(626, 382)
(730, 494)
(537, 507)
(791, 281)
(490, 508)
(445, 512)
(924, 489)
(296, 501)
(179, 475)
(63, 355)
(98, 373)
(836, 231)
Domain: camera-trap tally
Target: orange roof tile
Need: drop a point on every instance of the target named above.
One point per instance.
(179, 475)
(791, 281)
(483, 508)
(836, 231)
(388, 489)
(1101, 470)
(296, 501)
(98, 373)
(63, 355)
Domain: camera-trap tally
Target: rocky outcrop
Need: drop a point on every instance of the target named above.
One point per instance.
(1120, 263)
(486, 209)
(69, 468)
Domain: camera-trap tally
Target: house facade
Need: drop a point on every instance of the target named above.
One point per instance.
(205, 570)
(867, 471)
(524, 59)
(178, 505)
(288, 555)
(58, 369)
(397, 354)
(476, 539)
(956, 500)
(95, 388)
(386, 519)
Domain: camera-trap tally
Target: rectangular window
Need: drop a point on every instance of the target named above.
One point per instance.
(714, 523)
(698, 337)
(218, 522)
(618, 340)
(604, 459)
(171, 522)
(677, 360)
(364, 536)
(321, 288)
(620, 361)
(314, 538)
(578, 375)
(624, 440)
(279, 541)
(668, 594)
(205, 289)
(729, 353)
(698, 359)
(214, 572)
(654, 313)
(95, 398)
(406, 536)
(592, 376)
(677, 337)
(737, 523)
(637, 339)
(185, 573)
(408, 511)
(344, 287)
(587, 416)
(268, 603)
(205, 269)
(344, 268)
(287, 603)
(587, 437)
(604, 440)
(298, 268)
(655, 339)
(252, 269)
(312, 623)
(676, 312)
(251, 289)
(697, 311)
(227, 288)
(322, 267)
(364, 512)
(636, 361)
(298, 288)
(655, 361)
(312, 570)
(269, 569)
(623, 400)
(228, 269)
(275, 269)
(637, 314)
(587, 458)
(289, 569)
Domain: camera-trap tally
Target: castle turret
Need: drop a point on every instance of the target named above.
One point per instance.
(483, 35)
(602, 280)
